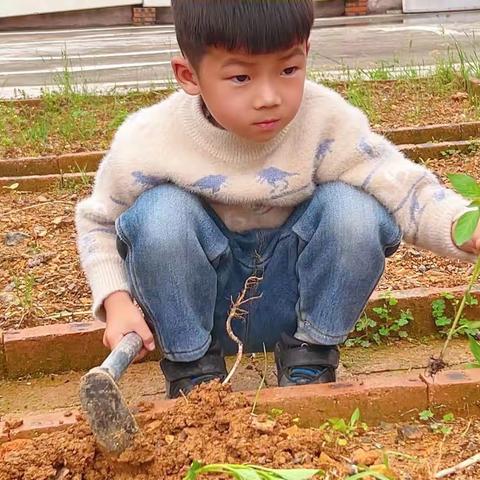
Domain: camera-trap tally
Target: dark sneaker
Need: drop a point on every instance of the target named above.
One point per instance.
(301, 363)
(182, 377)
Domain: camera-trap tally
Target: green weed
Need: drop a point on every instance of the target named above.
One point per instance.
(447, 303)
(438, 426)
(342, 429)
(359, 94)
(383, 327)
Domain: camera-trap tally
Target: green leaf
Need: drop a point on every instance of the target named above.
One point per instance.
(448, 417)
(470, 299)
(464, 185)
(403, 334)
(355, 417)
(294, 474)
(392, 301)
(474, 348)
(474, 325)
(465, 227)
(193, 471)
(368, 473)
(425, 415)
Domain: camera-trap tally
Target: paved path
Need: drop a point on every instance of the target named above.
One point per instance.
(139, 56)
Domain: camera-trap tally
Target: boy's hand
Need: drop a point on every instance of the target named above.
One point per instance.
(123, 317)
(473, 245)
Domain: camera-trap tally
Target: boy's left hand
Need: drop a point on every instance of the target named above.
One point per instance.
(473, 245)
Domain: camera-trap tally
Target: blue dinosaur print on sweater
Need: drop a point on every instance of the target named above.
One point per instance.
(367, 149)
(211, 182)
(323, 149)
(147, 180)
(275, 177)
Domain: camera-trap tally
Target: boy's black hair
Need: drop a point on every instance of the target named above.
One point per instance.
(255, 26)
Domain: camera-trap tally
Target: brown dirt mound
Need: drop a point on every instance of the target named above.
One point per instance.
(213, 426)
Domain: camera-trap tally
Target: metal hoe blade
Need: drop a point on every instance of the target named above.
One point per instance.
(111, 421)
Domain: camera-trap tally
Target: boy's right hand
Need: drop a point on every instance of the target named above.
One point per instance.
(123, 317)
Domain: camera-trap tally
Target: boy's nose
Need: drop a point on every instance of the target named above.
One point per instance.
(267, 97)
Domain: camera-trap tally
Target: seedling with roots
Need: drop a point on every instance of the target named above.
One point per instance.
(468, 187)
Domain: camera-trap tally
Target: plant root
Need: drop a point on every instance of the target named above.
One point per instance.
(460, 466)
(239, 313)
(435, 365)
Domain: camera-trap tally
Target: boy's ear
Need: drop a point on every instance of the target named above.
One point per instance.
(185, 75)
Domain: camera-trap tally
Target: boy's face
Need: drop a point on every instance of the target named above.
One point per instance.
(253, 96)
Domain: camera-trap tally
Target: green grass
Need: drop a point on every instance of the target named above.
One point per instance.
(71, 119)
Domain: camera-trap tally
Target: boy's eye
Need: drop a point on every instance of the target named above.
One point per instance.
(240, 78)
(290, 70)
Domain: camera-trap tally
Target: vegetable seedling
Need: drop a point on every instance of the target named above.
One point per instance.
(250, 472)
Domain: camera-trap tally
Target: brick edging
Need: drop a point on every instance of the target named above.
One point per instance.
(416, 142)
(78, 346)
(379, 398)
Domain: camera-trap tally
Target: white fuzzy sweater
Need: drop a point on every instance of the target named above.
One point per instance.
(255, 184)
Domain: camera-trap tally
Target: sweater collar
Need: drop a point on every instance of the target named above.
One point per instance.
(219, 143)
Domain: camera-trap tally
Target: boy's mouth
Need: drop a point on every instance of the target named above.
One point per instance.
(268, 124)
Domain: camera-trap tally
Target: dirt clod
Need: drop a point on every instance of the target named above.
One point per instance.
(365, 457)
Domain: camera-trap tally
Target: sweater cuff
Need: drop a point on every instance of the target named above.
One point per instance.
(106, 277)
(437, 230)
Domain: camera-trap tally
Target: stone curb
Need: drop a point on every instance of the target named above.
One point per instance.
(440, 132)
(78, 346)
(378, 398)
(40, 173)
(435, 149)
(51, 165)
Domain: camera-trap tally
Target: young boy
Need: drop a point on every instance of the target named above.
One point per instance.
(250, 169)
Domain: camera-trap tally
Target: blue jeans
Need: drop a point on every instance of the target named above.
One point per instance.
(319, 268)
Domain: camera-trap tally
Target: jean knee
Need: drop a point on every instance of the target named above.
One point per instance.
(355, 217)
(164, 213)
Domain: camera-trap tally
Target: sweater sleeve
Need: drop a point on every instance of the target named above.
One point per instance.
(424, 208)
(113, 192)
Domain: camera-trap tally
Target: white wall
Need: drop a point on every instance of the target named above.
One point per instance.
(412, 6)
(13, 8)
(381, 6)
(156, 3)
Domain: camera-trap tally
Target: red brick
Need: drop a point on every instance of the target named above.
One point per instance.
(355, 11)
(17, 167)
(3, 370)
(54, 348)
(40, 183)
(456, 391)
(379, 398)
(36, 424)
(428, 133)
(75, 162)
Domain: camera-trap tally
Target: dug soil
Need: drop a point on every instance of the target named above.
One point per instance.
(41, 280)
(77, 123)
(215, 426)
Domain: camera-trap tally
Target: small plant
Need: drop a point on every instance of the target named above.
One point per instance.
(345, 429)
(24, 288)
(384, 327)
(253, 472)
(466, 225)
(443, 320)
(436, 426)
(250, 472)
